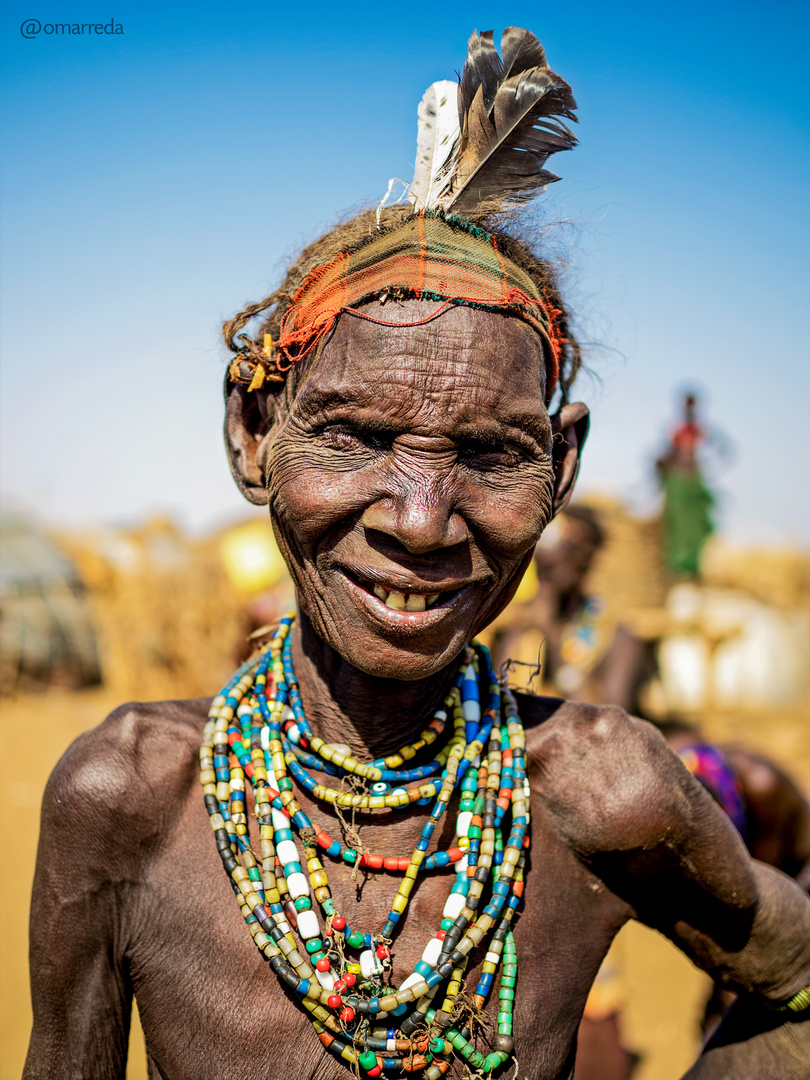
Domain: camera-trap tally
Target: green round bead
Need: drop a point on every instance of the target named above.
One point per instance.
(368, 1059)
(303, 903)
(355, 939)
(446, 924)
(314, 945)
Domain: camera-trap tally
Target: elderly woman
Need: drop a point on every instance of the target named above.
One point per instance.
(418, 864)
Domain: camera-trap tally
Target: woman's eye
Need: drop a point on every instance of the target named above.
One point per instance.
(346, 437)
(488, 456)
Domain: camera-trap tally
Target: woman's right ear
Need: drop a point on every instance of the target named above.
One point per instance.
(250, 418)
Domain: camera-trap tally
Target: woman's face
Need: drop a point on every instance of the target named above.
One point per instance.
(409, 481)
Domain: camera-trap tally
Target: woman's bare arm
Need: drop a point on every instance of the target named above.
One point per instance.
(79, 987)
(637, 817)
(107, 806)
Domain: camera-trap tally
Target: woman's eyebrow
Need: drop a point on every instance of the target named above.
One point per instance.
(360, 411)
(533, 424)
(316, 400)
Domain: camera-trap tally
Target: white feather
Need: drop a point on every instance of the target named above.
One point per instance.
(436, 141)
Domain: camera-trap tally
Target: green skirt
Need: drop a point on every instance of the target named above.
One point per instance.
(687, 520)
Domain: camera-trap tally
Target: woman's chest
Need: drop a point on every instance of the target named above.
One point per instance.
(211, 1005)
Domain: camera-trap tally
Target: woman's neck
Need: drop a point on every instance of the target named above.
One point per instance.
(372, 716)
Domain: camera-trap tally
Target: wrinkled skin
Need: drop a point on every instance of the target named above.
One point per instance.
(418, 458)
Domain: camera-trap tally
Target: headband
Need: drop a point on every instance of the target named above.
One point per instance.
(428, 256)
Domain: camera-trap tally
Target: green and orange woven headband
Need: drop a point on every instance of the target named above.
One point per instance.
(428, 256)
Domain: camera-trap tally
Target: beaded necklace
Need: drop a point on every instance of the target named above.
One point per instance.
(257, 731)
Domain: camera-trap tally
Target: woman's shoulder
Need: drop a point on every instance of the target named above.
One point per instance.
(129, 775)
(607, 779)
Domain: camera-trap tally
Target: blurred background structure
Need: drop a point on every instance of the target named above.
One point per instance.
(156, 180)
(47, 637)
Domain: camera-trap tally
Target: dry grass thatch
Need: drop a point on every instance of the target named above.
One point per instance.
(168, 621)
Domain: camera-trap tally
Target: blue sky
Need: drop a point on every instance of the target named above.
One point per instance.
(153, 181)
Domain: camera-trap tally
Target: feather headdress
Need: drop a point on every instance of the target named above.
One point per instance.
(489, 145)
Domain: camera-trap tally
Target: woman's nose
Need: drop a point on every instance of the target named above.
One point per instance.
(421, 516)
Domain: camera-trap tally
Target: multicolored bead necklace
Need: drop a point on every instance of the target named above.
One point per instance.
(257, 731)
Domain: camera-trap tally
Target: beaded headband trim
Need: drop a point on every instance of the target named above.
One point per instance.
(428, 256)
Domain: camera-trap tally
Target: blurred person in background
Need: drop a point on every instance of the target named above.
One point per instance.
(688, 501)
(586, 652)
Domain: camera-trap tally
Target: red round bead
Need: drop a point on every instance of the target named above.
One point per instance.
(323, 964)
(441, 935)
(338, 922)
(375, 1071)
(383, 952)
(340, 986)
(334, 1001)
(347, 1014)
(350, 978)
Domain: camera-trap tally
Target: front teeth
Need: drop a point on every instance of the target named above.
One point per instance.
(401, 601)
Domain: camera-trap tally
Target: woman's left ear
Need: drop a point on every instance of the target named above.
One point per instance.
(569, 431)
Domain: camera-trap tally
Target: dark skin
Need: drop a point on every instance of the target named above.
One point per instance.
(419, 459)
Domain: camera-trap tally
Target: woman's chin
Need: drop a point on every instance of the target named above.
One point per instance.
(406, 662)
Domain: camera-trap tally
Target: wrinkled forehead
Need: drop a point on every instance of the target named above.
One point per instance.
(424, 360)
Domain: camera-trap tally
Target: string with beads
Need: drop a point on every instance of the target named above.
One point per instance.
(257, 733)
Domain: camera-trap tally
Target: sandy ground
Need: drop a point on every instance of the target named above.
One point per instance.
(666, 991)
